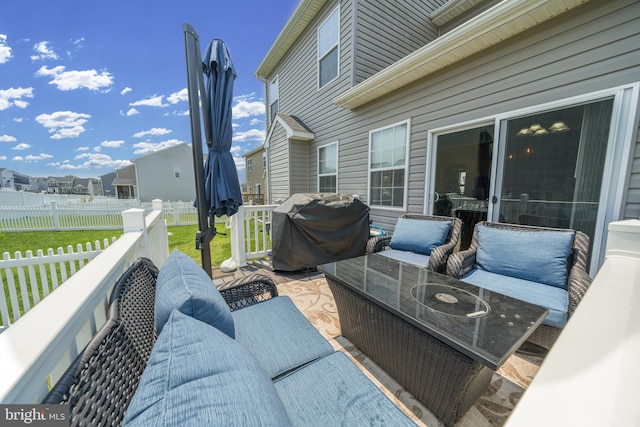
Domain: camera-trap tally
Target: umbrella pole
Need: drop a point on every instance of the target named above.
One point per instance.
(194, 66)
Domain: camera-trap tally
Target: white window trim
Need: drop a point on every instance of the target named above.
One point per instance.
(318, 57)
(275, 82)
(336, 143)
(249, 164)
(621, 146)
(406, 168)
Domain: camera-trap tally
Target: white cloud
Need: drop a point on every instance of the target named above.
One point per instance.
(131, 112)
(82, 149)
(150, 147)
(93, 161)
(254, 122)
(153, 101)
(244, 109)
(18, 119)
(3, 158)
(250, 135)
(13, 96)
(112, 144)
(22, 146)
(153, 131)
(180, 96)
(64, 124)
(5, 51)
(74, 79)
(7, 138)
(125, 90)
(43, 51)
(31, 158)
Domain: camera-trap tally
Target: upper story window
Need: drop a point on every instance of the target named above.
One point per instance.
(249, 165)
(388, 153)
(273, 99)
(176, 171)
(329, 48)
(264, 160)
(328, 168)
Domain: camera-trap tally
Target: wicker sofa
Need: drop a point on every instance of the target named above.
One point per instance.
(178, 351)
(543, 266)
(422, 240)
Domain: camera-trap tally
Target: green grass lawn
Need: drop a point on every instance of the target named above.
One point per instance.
(182, 237)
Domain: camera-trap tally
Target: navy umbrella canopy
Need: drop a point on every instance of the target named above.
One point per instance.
(222, 187)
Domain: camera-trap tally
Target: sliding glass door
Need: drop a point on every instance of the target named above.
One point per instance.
(553, 165)
(462, 177)
(545, 168)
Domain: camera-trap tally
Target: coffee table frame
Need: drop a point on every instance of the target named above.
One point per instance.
(442, 378)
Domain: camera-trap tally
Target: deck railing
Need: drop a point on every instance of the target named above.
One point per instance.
(250, 231)
(37, 349)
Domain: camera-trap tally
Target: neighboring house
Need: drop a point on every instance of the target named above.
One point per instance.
(125, 183)
(166, 174)
(108, 189)
(60, 185)
(38, 184)
(83, 186)
(521, 112)
(6, 178)
(256, 175)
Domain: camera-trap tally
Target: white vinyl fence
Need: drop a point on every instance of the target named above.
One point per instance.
(26, 280)
(96, 215)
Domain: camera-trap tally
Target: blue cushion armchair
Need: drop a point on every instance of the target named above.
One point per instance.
(422, 240)
(539, 265)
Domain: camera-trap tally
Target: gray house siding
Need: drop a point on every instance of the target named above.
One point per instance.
(299, 167)
(278, 168)
(386, 32)
(155, 174)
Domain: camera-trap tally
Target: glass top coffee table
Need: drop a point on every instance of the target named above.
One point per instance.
(439, 337)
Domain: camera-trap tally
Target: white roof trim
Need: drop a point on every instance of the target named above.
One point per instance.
(504, 20)
(451, 10)
(295, 26)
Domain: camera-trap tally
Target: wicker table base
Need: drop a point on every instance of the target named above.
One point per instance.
(443, 379)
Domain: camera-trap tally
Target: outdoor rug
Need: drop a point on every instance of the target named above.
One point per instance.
(313, 297)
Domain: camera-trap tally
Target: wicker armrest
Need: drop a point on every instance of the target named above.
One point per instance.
(248, 290)
(461, 263)
(440, 255)
(579, 282)
(378, 243)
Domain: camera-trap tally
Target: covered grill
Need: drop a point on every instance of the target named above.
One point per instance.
(312, 229)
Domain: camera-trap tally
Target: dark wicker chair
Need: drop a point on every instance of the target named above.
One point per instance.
(101, 381)
(439, 256)
(461, 263)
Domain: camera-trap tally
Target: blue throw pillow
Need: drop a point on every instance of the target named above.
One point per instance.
(198, 376)
(538, 256)
(184, 285)
(419, 236)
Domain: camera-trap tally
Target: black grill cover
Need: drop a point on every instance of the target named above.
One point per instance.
(312, 229)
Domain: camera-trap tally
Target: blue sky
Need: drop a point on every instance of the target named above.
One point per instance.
(86, 86)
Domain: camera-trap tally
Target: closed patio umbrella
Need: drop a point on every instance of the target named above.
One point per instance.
(217, 186)
(222, 187)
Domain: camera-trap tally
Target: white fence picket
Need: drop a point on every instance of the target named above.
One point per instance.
(31, 274)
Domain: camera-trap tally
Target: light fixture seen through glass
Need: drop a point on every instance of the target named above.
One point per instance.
(536, 129)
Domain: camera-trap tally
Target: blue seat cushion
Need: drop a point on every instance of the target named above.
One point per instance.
(332, 391)
(534, 255)
(413, 258)
(420, 236)
(198, 376)
(553, 298)
(279, 335)
(184, 285)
